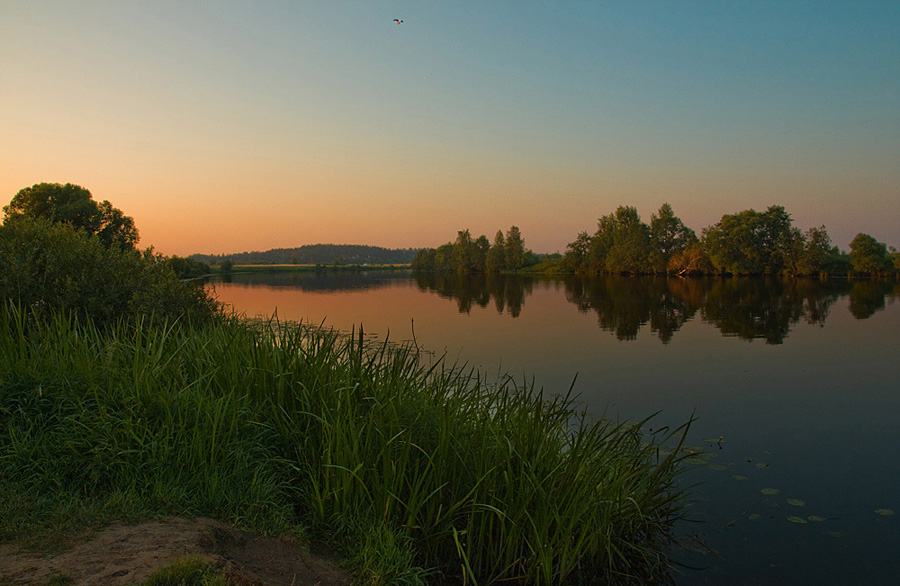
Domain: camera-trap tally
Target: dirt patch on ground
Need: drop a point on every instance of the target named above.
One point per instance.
(119, 555)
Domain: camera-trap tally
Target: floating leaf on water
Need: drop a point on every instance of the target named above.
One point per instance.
(815, 518)
(739, 477)
(884, 512)
(716, 467)
(796, 502)
(766, 452)
(798, 520)
(713, 440)
(834, 534)
(761, 465)
(752, 517)
(770, 491)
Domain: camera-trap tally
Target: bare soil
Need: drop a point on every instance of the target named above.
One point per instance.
(121, 555)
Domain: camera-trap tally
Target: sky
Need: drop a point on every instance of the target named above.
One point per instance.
(224, 126)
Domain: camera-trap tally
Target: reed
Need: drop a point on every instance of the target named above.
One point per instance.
(415, 466)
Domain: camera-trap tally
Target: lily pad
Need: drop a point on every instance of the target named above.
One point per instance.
(761, 465)
(815, 518)
(739, 477)
(834, 534)
(713, 440)
(752, 517)
(716, 467)
(770, 491)
(884, 512)
(796, 502)
(798, 520)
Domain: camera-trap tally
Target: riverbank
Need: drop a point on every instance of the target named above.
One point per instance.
(410, 469)
(196, 551)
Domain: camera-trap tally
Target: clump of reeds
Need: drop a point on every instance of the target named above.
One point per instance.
(417, 468)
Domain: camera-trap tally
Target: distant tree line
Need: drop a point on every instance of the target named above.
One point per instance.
(339, 254)
(466, 256)
(745, 243)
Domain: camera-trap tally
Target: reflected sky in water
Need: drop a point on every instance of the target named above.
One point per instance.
(801, 379)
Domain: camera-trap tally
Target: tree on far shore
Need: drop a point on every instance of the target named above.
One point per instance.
(868, 256)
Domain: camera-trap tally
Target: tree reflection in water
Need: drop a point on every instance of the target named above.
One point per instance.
(747, 308)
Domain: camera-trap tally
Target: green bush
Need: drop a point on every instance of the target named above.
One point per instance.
(51, 266)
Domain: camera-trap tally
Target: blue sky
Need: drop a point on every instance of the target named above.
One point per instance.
(229, 126)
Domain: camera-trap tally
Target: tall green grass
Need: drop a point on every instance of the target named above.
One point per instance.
(415, 468)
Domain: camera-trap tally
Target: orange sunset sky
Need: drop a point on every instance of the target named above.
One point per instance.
(234, 126)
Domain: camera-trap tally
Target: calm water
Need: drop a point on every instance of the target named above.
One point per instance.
(800, 378)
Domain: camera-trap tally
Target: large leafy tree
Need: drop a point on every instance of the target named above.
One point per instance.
(630, 251)
(72, 204)
(577, 252)
(668, 236)
(868, 256)
(464, 253)
(495, 261)
(815, 250)
(515, 249)
(750, 242)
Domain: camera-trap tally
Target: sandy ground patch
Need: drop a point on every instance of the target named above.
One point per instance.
(120, 554)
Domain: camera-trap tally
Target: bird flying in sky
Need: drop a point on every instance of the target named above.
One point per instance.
(397, 20)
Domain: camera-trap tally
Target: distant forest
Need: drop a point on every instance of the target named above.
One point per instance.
(745, 243)
(350, 254)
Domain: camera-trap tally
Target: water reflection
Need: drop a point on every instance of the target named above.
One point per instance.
(868, 297)
(623, 305)
(318, 281)
(508, 292)
(769, 308)
(814, 417)
(746, 308)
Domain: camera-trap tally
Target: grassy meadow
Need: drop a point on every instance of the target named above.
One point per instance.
(416, 470)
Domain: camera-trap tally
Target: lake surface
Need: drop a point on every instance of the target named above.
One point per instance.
(800, 378)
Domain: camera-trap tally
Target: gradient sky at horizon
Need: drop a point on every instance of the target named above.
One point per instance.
(235, 126)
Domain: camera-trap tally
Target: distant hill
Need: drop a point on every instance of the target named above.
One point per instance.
(317, 254)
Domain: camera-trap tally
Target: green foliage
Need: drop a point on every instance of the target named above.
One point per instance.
(750, 242)
(188, 268)
(668, 237)
(74, 205)
(623, 244)
(577, 252)
(620, 245)
(745, 243)
(514, 249)
(629, 251)
(495, 261)
(693, 260)
(466, 256)
(868, 256)
(385, 556)
(190, 570)
(51, 266)
(414, 466)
